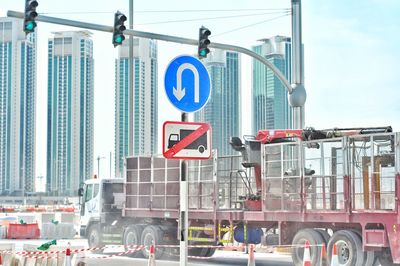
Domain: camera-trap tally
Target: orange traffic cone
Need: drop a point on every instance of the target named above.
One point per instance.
(152, 256)
(68, 257)
(335, 259)
(324, 258)
(306, 257)
(252, 261)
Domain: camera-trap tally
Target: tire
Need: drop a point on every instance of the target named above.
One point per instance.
(94, 238)
(210, 252)
(324, 234)
(132, 236)
(349, 248)
(202, 252)
(195, 252)
(369, 256)
(152, 234)
(315, 240)
(201, 149)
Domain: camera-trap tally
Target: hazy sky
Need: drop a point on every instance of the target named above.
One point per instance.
(351, 56)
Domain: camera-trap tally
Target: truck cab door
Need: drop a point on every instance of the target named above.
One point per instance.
(91, 203)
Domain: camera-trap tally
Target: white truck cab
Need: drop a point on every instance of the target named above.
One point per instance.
(99, 198)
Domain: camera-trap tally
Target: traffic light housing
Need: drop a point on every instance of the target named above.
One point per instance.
(203, 42)
(30, 16)
(119, 27)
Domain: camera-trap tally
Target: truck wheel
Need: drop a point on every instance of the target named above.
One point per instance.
(325, 235)
(369, 256)
(209, 252)
(152, 234)
(201, 252)
(94, 238)
(348, 246)
(299, 240)
(201, 148)
(132, 236)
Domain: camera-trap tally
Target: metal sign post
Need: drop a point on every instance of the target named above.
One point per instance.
(188, 87)
(183, 207)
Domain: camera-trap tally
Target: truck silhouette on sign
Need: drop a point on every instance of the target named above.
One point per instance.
(199, 144)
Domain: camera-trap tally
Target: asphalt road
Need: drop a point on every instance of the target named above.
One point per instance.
(231, 258)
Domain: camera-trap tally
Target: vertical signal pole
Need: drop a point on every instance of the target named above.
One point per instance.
(130, 85)
(183, 206)
(298, 96)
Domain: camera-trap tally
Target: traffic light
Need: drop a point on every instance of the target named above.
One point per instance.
(30, 15)
(203, 42)
(119, 27)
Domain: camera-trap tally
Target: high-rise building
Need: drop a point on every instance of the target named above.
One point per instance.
(271, 109)
(145, 104)
(70, 111)
(17, 108)
(222, 111)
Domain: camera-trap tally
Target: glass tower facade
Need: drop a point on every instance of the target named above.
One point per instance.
(271, 109)
(145, 101)
(70, 114)
(17, 108)
(222, 111)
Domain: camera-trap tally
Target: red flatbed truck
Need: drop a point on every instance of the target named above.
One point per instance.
(337, 187)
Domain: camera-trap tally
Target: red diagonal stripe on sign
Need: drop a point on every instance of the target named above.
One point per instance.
(183, 143)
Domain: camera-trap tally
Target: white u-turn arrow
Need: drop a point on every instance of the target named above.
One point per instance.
(179, 92)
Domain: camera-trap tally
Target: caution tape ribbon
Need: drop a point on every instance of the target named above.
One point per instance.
(63, 251)
(44, 255)
(133, 248)
(115, 255)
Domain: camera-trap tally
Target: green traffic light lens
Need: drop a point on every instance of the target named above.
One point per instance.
(203, 52)
(118, 39)
(29, 26)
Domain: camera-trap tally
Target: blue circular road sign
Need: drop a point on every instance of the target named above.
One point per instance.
(187, 83)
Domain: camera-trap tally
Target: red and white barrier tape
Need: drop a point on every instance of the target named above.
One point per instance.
(115, 255)
(132, 249)
(63, 251)
(43, 255)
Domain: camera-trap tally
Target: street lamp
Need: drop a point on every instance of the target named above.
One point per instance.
(98, 165)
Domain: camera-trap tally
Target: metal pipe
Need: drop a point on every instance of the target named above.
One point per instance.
(298, 120)
(130, 80)
(161, 37)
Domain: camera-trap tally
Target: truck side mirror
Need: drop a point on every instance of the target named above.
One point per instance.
(236, 143)
(80, 192)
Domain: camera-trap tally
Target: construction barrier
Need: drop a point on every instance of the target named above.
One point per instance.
(23, 231)
(65, 231)
(28, 218)
(5, 257)
(7, 209)
(57, 231)
(3, 232)
(46, 217)
(68, 217)
(54, 256)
